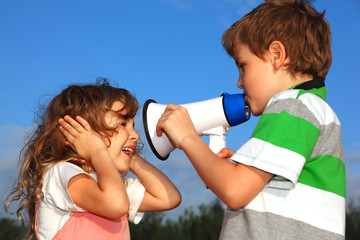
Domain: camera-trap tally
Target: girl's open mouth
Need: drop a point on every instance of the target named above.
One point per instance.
(128, 151)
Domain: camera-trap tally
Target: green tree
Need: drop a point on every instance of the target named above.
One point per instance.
(352, 230)
(11, 229)
(149, 227)
(203, 225)
(206, 225)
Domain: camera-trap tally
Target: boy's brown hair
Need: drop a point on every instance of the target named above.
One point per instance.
(303, 31)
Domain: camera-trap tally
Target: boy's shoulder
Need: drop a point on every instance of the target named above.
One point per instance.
(307, 104)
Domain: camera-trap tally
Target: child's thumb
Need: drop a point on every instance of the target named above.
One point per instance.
(221, 154)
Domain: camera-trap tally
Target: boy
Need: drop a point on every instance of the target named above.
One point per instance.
(289, 178)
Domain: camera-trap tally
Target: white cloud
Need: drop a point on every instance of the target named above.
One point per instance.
(11, 141)
(352, 162)
(352, 185)
(353, 157)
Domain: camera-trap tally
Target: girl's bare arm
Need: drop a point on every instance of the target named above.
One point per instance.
(108, 196)
(161, 194)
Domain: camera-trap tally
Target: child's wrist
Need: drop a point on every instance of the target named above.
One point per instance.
(137, 162)
(188, 140)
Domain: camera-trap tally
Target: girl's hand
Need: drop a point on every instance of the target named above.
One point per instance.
(177, 124)
(80, 136)
(135, 160)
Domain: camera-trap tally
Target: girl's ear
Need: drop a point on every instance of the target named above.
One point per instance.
(277, 55)
(107, 141)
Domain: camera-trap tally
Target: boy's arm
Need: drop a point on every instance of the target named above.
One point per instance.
(160, 194)
(108, 196)
(235, 185)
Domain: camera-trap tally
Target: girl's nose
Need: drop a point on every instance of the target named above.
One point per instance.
(134, 135)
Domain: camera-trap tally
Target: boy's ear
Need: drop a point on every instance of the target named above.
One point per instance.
(277, 54)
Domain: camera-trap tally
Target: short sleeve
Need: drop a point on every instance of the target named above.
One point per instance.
(55, 184)
(283, 139)
(135, 191)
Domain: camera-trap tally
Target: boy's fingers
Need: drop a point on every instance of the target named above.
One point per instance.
(225, 153)
(171, 107)
(158, 128)
(220, 154)
(159, 132)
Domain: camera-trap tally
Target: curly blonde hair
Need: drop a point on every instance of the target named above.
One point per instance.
(46, 146)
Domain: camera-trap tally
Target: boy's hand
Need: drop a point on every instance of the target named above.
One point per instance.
(80, 136)
(226, 153)
(177, 124)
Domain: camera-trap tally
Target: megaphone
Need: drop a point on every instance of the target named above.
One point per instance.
(210, 117)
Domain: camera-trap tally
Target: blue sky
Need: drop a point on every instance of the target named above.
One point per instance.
(166, 50)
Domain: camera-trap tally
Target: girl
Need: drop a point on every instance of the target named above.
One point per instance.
(72, 178)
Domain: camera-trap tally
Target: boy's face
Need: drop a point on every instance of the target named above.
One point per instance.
(257, 77)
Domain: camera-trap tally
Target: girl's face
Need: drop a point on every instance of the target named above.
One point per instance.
(122, 143)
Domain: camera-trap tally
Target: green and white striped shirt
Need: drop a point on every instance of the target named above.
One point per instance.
(298, 139)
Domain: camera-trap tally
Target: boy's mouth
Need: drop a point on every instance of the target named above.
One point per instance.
(245, 98)
(247, 106)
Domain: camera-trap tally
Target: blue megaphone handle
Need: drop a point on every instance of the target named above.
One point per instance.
(236, 109)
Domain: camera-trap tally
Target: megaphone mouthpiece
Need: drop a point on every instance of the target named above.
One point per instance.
(236, 109)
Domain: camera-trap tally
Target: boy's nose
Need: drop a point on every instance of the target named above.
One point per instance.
(240, 83)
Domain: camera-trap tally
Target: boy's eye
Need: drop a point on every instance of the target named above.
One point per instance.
(241, 68)
(239, 64)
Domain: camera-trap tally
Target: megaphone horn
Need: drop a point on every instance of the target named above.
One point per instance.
(225, 111)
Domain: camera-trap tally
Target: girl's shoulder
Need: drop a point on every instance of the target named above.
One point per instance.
(55, 183)
(60, 174)
(67, 169)
(65, 165)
